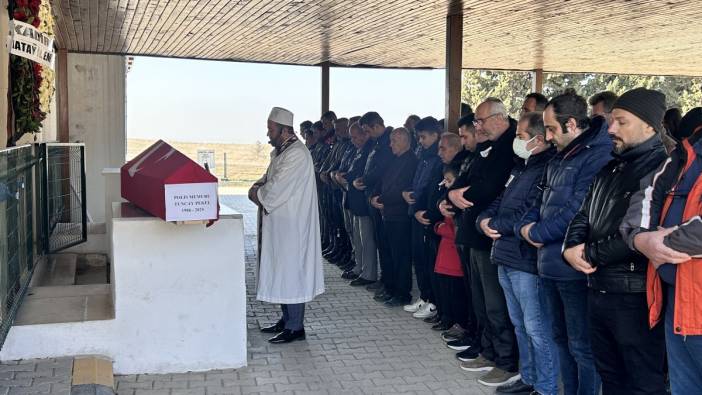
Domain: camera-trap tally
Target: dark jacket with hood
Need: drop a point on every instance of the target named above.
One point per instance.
(567, 179)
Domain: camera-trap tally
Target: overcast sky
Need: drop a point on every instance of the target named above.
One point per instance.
(208, 101)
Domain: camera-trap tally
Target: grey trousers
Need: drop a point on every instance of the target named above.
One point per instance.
(293, 316)
(364, 248)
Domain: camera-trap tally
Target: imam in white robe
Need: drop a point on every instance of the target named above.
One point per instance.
(290, 261)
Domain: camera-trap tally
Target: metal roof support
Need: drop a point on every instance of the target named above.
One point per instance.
(454, 70)
(538, 81)
(325, 87)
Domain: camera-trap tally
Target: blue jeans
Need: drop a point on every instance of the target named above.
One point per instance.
(684, 355)
(566, 303)
(538, 355)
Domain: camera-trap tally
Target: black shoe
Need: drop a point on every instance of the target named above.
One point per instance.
(348, 267)
(382, 298)
(375, 286)
(441, 326)
(461, 344)
(287, 336)
(275, 328)
(433, 320)
(349, 275)
(395, 301)
(344, 260)
(360, 281)
(331, 254)
(338, 256)
(518, 387)
(468, 355)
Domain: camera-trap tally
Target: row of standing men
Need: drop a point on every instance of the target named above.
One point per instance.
(535, 243)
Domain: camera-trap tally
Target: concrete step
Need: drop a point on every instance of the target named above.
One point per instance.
(68, 291)
(92, 269)
(58, 270)
(69, 303)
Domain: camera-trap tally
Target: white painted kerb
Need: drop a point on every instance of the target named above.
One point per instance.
(180, 302)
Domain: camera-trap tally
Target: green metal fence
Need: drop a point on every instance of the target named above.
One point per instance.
(65, 211)
(42, 210)
(18, 214)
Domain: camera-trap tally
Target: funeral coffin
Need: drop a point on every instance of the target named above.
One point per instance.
(167, 184)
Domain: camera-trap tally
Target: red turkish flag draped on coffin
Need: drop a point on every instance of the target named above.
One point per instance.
(167, 184)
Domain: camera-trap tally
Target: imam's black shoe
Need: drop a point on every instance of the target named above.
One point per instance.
(287, 336)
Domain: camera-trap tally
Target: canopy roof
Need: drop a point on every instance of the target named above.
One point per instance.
(616, 36)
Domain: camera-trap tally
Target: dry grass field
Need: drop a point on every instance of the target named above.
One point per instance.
(246, 163)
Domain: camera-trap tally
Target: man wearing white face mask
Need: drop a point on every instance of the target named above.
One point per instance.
(516, 261)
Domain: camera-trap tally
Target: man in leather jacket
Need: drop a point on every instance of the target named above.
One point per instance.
(628, 356)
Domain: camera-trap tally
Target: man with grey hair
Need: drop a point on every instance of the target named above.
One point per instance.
(472, 194)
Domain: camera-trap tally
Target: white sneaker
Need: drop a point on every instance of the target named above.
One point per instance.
(426, 311)
(412, 308)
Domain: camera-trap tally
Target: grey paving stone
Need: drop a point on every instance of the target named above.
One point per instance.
(36, 389)
(152, 392)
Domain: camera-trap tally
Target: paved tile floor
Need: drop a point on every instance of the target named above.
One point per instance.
(354, 346)
(41, 376)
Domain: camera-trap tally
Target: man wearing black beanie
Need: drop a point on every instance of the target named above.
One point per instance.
(628, 355)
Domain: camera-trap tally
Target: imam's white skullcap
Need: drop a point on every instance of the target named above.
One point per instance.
(281, 116)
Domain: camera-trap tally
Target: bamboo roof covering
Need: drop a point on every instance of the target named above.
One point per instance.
(662, 37)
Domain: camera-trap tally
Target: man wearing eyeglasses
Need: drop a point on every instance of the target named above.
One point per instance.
(473, 193)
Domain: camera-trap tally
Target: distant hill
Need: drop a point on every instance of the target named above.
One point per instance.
(245, 162)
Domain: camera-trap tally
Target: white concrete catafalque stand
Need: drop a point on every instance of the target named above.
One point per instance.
(179, 298)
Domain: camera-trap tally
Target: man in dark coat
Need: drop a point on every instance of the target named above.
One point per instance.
(467, 342)
(629, 357)
(485, 180)
(388, 199)
(516, 260)
(377, 163)
(428, 169)
(583, 147)
(365, 271)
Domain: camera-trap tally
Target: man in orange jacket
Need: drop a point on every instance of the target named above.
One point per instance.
(663, 223)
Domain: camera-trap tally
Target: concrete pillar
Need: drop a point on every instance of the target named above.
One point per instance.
(538, 81)
(454, 70)
(325, 87)
(97, 114)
